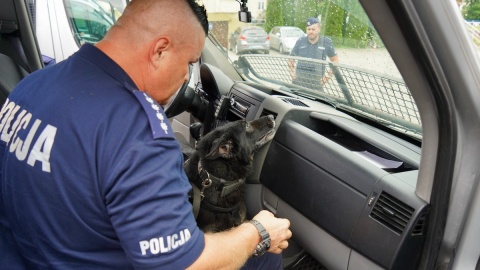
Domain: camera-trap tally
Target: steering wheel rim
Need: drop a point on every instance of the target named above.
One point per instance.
(182, 99)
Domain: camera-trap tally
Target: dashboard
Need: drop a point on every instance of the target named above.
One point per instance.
(347, 187)
(351, 180)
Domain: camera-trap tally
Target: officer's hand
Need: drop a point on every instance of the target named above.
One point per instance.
(325, 79)
(277, 228)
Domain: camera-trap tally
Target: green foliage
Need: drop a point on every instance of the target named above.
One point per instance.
(288, 12)
(333, 17)
(305, 9)
(472, 11)
(342, 20)
(274, 15)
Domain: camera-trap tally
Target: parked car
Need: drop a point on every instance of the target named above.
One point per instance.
(377, 168)
(283, 38)
(247, 39)
(63, 26)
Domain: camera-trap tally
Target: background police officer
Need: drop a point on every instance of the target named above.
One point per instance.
(307, 73)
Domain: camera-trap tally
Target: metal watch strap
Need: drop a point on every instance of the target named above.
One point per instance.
(264, 244)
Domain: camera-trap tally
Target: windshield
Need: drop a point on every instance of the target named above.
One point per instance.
(292, 32)
(323, 50)
(337, 57)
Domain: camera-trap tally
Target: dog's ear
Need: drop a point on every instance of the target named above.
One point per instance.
(220, 148)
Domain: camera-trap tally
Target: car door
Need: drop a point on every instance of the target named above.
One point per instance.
(61, 27)
(336, 199)
(274, 39)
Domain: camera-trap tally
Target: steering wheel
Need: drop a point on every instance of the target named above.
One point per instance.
(182, 100)
(201, 105)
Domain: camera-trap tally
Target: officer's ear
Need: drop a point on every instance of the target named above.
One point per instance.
(159, 46)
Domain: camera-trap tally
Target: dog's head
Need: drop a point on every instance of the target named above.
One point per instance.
(239, 139)
(225, 157)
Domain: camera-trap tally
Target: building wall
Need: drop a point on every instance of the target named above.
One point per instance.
(225, 12)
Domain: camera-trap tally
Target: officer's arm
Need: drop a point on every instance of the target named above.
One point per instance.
(291, 68)
(334, 59)
(231, 249)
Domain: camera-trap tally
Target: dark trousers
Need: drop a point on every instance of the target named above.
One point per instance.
(310, 79)
(267, 261)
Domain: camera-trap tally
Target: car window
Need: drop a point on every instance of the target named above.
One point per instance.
(254, 32)
(293, 32)
(89, 20)
(364, 82)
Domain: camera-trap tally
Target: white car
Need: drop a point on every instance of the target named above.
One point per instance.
(62, 26)
(283, 38)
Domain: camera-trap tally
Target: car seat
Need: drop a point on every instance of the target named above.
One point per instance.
(10, 75)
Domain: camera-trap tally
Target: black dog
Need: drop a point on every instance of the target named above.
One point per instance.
(218, 168)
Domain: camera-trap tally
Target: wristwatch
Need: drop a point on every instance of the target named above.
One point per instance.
(264, 245)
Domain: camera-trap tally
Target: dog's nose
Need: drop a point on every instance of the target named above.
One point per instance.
(271, 123)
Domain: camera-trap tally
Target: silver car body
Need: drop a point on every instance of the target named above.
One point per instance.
(250, 39)
(283, 38)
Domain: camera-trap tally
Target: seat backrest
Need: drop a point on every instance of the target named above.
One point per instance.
(10, 75)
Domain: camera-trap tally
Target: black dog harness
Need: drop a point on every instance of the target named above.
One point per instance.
(208, 181)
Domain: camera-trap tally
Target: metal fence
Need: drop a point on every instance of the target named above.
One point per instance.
(472, 29)
(371, 94)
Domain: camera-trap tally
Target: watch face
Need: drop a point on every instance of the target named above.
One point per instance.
(262, 247)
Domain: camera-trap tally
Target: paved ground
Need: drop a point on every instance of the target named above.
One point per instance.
(377, 60)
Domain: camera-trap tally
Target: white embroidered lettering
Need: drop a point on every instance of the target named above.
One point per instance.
(8, 135)
(12, 122)
(22, 150)
(6, 110)
(164, 244)
(144, 246)
(7, 119)
(42, 148)
(154, 246)
(15, 141)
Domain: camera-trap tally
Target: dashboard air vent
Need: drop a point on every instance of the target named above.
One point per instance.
(419, 228)
(295, 102)
(391, 212)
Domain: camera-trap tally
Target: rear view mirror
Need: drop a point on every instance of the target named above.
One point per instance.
(244, 15)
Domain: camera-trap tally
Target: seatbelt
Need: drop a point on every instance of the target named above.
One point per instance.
(17, 46)
(9, 31)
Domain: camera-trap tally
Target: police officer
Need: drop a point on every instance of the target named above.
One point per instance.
(307, 73)
(92, 174)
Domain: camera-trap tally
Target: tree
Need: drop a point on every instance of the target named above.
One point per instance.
(274, 15)
(305, 9)
(342, 20)
(471, 11)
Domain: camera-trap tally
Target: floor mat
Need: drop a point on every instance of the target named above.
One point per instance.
(306, 262)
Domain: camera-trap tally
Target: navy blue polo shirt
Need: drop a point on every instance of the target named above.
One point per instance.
(92, 176)
(318, 50)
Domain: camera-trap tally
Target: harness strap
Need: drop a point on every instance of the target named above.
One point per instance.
(196, 199)
(231, 187)
(218, 209)
(226, 186)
